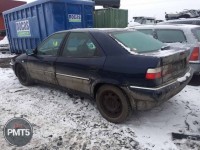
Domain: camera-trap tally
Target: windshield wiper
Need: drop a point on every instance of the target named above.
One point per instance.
(165, 47)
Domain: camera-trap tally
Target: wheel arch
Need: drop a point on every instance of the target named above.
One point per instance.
(17, 64)
(97, 84)
(96, 87)
(130, 99)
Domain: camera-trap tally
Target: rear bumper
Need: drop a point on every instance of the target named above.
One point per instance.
(195, 66)
(143, 98)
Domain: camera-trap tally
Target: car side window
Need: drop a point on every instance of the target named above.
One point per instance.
(80, 45)
(51, 45)
(170, 36)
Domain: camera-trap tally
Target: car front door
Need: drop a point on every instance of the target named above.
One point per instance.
(79, 63)
(41, 66)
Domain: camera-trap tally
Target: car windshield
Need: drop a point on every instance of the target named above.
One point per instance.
(197, 33)
(137, 41)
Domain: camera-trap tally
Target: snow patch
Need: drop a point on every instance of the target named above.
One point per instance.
(4, 41)
(179, 45)
(7, 55)
(63, 122)
(184, 78)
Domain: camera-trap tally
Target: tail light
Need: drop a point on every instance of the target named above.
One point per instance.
(174, 66)
(154, 73)
(195, 54)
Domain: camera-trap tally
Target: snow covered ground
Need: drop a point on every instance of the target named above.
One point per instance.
(6, 55)
(63, 122)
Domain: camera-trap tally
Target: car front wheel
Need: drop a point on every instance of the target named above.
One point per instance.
(23, 76)
(112, 104)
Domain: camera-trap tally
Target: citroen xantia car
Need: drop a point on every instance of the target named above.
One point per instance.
(121, 69)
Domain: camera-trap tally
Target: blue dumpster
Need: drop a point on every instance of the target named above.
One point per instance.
(29, 24)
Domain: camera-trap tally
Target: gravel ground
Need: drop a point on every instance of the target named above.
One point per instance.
(63, 122)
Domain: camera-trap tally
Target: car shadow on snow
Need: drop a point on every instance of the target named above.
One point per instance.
(195, 80)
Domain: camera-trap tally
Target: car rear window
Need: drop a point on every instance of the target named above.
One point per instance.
(171, 36)
(197, 33)
(137, 41)
(146, 31)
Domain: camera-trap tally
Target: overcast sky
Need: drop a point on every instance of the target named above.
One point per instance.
(155, 8)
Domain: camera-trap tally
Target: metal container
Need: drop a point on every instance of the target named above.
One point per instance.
(111, 18)
(28, 25)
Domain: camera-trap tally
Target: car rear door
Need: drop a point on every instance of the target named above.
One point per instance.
(79, 63)
(41, 66)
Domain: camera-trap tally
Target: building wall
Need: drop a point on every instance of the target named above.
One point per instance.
(1, 22)
(6, 5)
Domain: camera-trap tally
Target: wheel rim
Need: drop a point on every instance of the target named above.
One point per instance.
(111, 104)
(22, 74)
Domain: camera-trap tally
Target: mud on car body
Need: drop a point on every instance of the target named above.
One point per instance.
(121, 69)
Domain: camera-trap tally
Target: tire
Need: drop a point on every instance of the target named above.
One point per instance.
(22, 75)
(113, 104)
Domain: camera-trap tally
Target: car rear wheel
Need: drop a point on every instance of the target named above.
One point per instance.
(112, 104)
(23, 76)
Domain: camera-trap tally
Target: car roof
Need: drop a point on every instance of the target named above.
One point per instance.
(144, 17)
(183, 19)
(105, 30)
(168, 26)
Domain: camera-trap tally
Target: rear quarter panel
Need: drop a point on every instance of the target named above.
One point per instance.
(129, 69)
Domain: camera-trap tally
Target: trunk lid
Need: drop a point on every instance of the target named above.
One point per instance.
(173, 63)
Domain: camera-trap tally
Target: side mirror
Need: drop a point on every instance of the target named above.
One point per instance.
(35, 51)
(31, 52)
